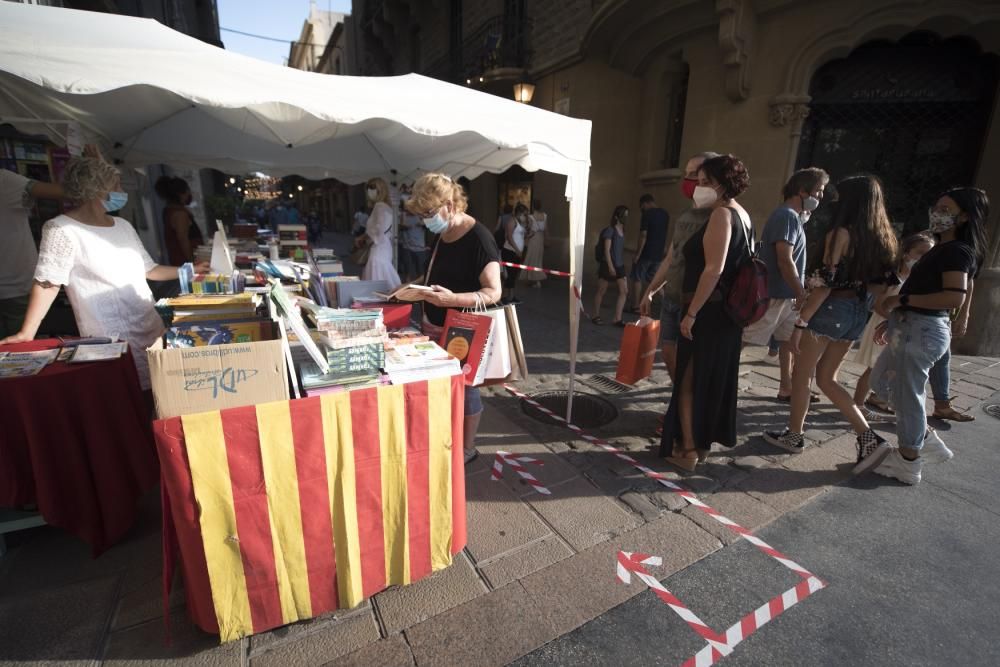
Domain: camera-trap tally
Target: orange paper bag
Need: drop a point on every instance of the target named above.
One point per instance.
(635, 359)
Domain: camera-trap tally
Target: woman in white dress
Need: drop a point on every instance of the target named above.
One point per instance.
(534, 255)
(101, 262)
(378, 235)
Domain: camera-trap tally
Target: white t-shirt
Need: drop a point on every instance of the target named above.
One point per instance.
(517, 236)
(104, 271)
(17, 250)
(539, 221)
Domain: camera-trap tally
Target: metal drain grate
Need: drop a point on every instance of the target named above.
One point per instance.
(606, 385)
(992, 410)
(589, 411)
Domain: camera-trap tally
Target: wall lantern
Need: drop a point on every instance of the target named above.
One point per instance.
(523, 92)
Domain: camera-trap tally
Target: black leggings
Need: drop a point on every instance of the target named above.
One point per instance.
(512, 273)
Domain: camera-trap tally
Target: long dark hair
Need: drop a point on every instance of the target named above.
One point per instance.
(861, 211)
(618, 215)
(171, 188)
(976, 207)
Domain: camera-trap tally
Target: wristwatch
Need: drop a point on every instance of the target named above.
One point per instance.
(904, 300)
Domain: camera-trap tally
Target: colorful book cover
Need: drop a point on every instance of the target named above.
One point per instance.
(218, 332)
(466, 336)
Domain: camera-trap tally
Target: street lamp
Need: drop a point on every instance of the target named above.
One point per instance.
(523, 92)
(232, 180)
(300, 188)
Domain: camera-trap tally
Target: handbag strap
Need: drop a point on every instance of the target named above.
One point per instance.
(430, 264)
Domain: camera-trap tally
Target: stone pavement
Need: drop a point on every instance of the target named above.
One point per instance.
(536, 566)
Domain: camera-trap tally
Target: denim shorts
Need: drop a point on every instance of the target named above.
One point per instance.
(670, 321)
(644, 269)
(473, 401)
(841, 319)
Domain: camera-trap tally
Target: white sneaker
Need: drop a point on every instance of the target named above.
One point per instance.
(896, 467)
(934, 449)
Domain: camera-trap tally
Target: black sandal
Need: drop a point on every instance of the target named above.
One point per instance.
(620, 323)
(597, 320)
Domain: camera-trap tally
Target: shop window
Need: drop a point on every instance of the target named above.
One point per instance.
(914, 113)
(676, 103)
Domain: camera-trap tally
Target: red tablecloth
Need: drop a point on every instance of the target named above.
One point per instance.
(286, 510)
(76, 440)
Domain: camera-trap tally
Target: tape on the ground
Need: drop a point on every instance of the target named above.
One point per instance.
(515, 463)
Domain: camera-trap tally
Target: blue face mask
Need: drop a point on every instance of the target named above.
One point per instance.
(437, 224)
(116, 201)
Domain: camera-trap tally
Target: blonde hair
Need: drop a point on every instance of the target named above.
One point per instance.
(382, 188)
(431, 191)
(87, 178)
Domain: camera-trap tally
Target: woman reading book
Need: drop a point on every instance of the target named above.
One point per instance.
(102, 263)
(464, 270)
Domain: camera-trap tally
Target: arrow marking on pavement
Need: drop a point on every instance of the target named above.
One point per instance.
(515, 463)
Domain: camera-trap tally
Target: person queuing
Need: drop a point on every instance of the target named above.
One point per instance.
(783, 251)
(378, 235)
(703, 405)
(670, 274)
(920, 329)
(181, 232)
(610, 255)
(413, 251)
(535, 251)
(101, 262)
(516, 232)
(911, 249)
(859, 255)
(653, 227)
(464, 270)
(940, 375)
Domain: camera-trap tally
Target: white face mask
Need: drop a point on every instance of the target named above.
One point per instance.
(372, 193)
(810, 203)
(941, 221)
(704, 196)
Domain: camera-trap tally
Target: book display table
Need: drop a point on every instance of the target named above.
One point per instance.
(76, 442)
(283, 511)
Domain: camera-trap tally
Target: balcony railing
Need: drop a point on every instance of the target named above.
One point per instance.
(500, 43)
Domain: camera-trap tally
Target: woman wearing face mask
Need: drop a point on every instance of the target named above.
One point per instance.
(920, 328)
(378, 235)
(911, 249)
(515, 241)
(611, 255)
(464, 270)
(102, 264)
(703, 404)
(180, 230)
(859, 255)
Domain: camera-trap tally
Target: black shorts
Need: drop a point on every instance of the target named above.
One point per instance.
(602, 272)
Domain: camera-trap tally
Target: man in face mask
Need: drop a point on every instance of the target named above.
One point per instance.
(670, 273)
(783, 251)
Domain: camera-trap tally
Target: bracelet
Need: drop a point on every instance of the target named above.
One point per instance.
(693, 316)
(801, 324)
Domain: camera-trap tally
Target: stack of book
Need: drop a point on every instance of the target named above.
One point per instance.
(419, 361)
(345, 323)
(293, 240)
(315, 382)
(196, 320)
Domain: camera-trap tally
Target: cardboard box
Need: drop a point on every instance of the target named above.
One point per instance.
(186, 381)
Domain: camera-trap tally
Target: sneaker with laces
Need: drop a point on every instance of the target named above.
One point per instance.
(898, 468)
(872, 416)
(872, 449)
(934, 449)
(792, 442)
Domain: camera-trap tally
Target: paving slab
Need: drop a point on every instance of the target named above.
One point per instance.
(581, 513)
(489, 631)
(784, 489)
(519, 564)
(315, 641)
(145, 602)
(498, 521)
(393, 651)
(64, 623)
(971, 389)
(741, 507)
(401, 607)
(146, 644)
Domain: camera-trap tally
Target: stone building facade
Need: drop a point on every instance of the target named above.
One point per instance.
(905, 89)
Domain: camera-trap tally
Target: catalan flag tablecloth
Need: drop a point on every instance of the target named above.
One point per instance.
(283, 511)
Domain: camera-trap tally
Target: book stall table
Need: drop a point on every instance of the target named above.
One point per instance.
(77, 443)
(285, 510)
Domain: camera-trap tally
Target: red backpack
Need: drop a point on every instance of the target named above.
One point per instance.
(746, 299)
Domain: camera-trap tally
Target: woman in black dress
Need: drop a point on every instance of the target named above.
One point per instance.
(703, 406)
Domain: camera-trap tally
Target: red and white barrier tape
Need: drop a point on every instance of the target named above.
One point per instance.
(717, 648)
(515, 463)
(551, 272)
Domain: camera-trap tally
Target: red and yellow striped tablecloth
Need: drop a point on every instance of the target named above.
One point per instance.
(283, 511)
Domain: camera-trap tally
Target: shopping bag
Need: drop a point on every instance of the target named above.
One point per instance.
(515, 350)
(638, 350)
(467, 337)
(498, 367)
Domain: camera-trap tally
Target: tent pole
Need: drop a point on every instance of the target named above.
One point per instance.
(574, 326)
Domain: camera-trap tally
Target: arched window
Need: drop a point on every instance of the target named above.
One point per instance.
(914, 113)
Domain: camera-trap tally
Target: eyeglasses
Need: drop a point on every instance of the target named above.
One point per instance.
(428, 214)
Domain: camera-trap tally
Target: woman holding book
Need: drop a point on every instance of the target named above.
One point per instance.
(464, 270)
(101, 262)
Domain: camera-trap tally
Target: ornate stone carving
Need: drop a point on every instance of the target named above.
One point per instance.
(786, 109)
(737, 24)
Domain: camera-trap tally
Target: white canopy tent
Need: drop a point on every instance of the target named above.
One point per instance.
(154, 95)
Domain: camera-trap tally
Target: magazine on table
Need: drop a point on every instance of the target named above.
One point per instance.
(24, 364)
(85, 353)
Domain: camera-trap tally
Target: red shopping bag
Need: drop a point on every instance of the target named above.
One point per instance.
(638, 350)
